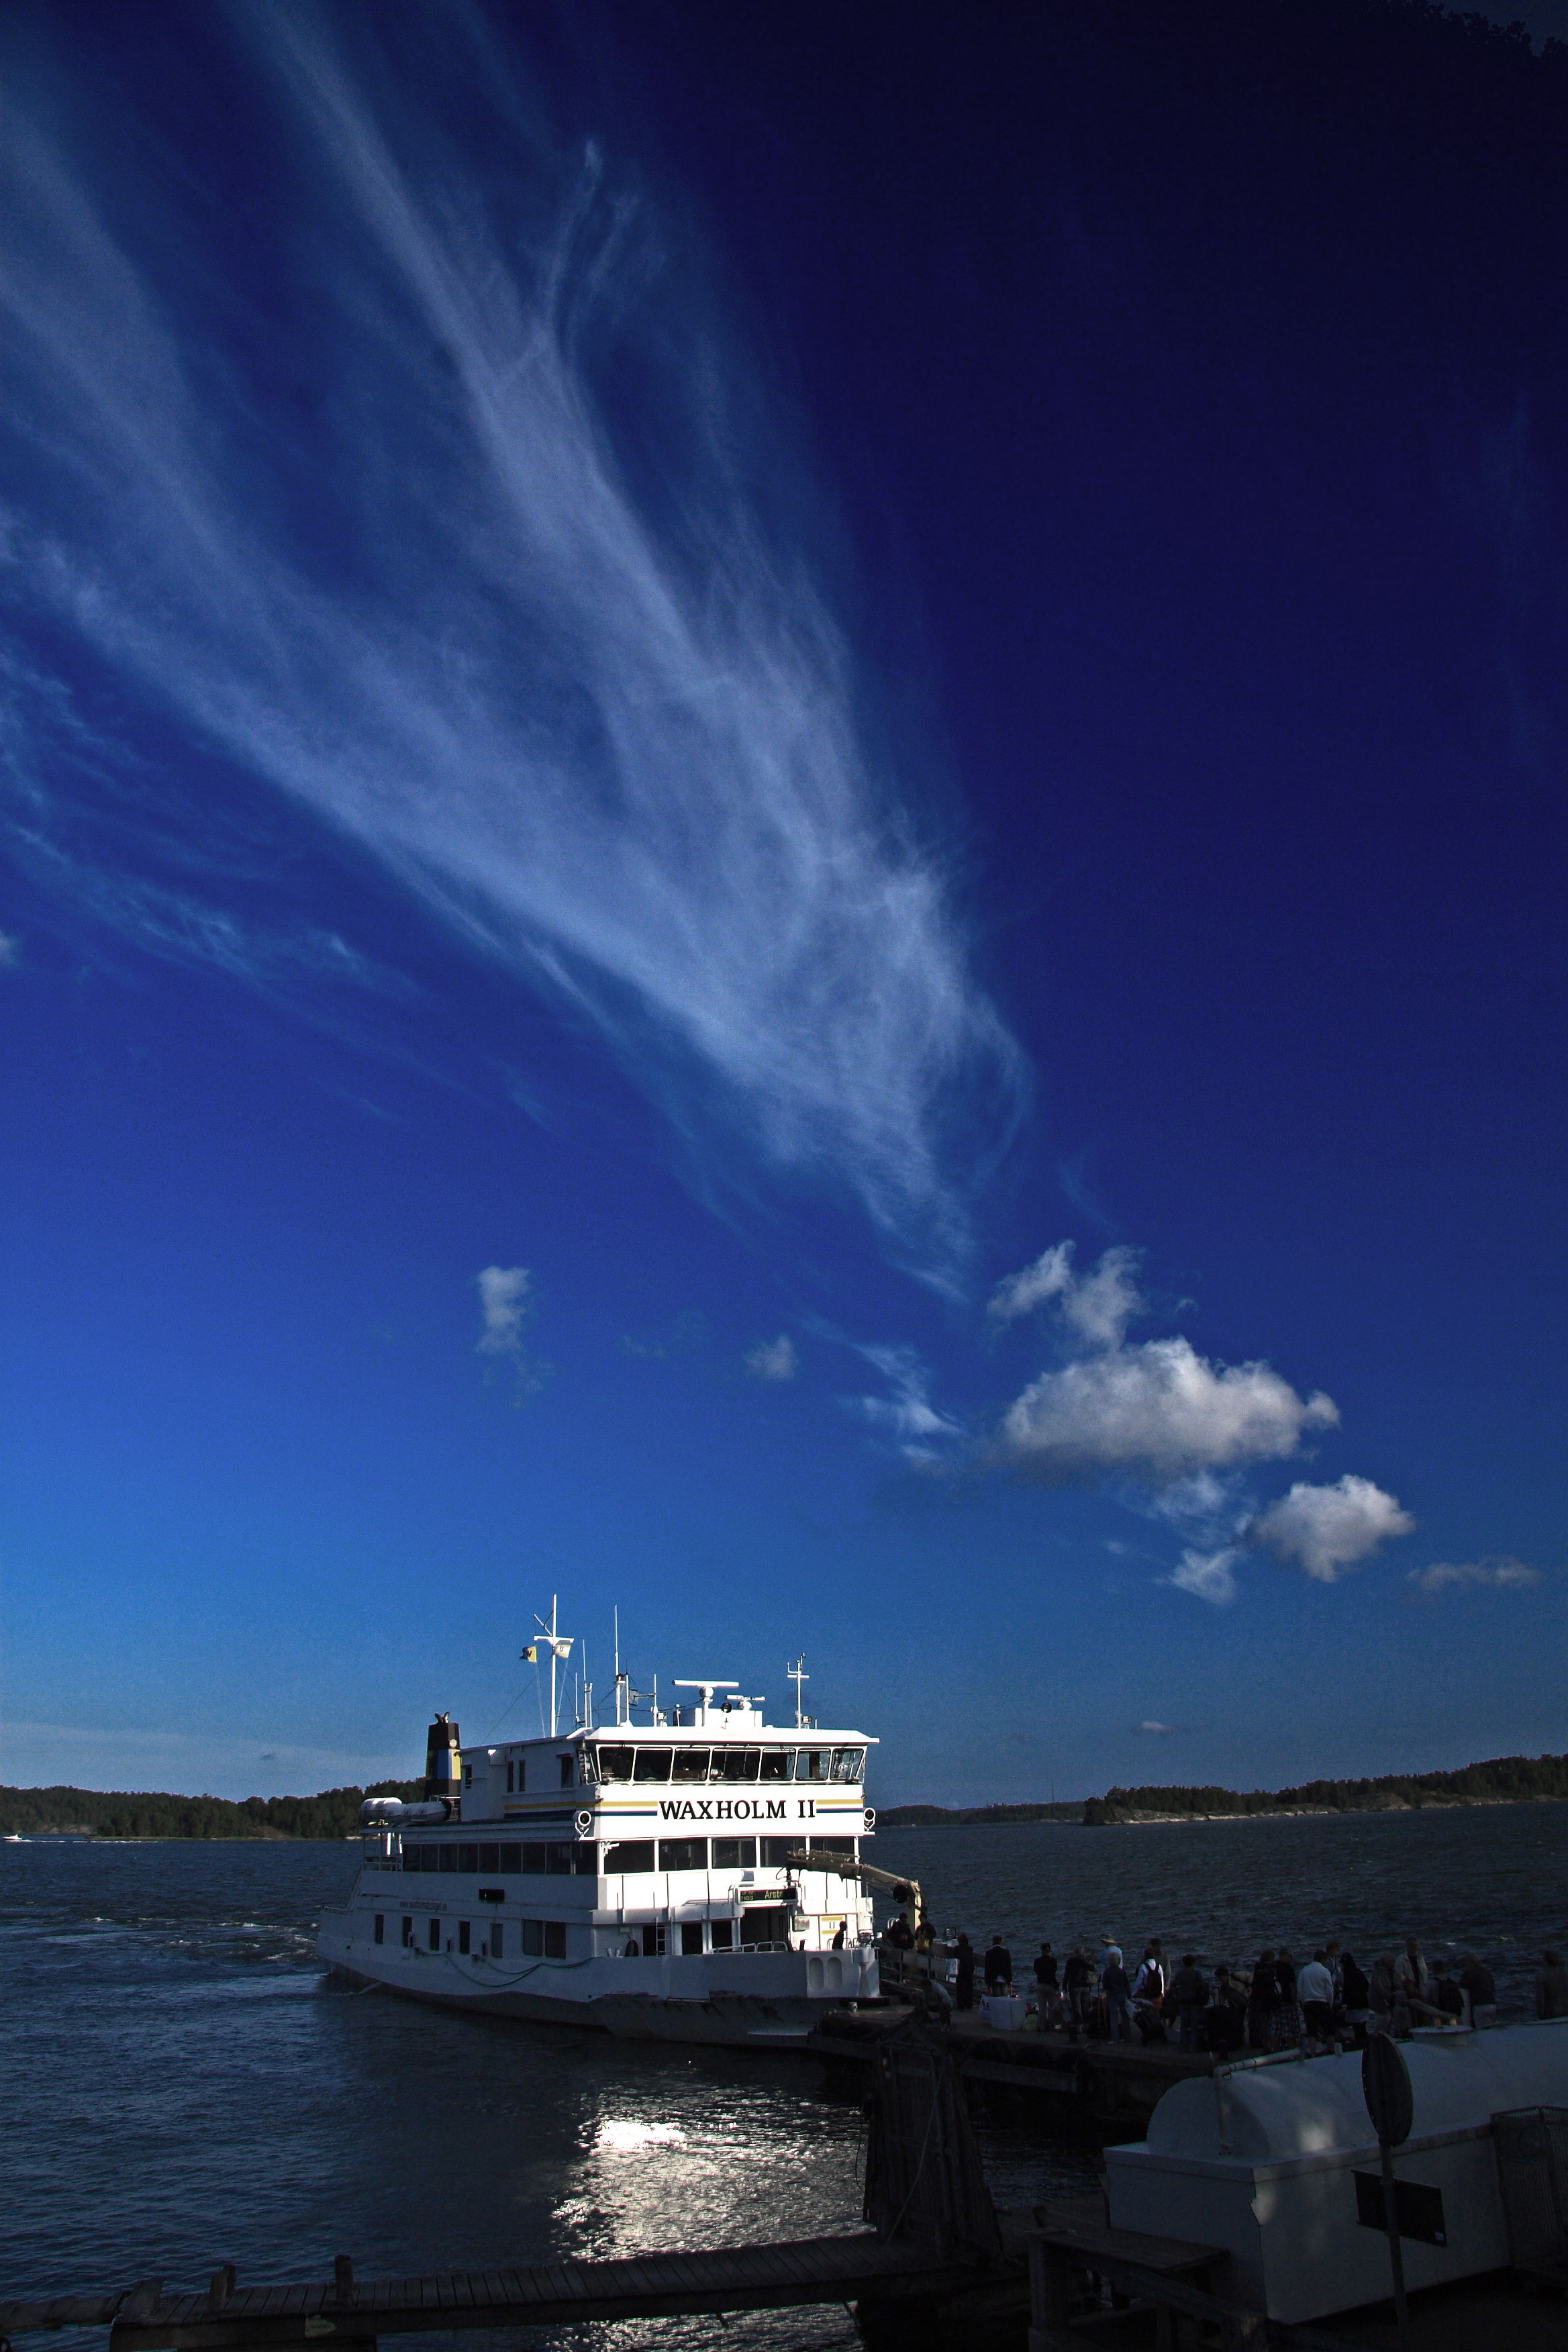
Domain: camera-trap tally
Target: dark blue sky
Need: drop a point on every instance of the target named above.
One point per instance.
(782, 841)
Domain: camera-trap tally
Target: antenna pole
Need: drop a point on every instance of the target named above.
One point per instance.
(553, 1598)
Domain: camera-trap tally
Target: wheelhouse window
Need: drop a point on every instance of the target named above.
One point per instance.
(691, 1763)
(683, 1854)
(629, 1854)
(606, 1763)
(737, 1763)
(651, 1764)
(812, 1763)
(848, 1763)
(778, 1764)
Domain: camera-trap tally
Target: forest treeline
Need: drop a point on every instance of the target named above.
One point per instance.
(1506, 1779)
(121, 1813)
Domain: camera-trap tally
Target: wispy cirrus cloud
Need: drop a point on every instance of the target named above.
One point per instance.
(906, 1414)
(773, 1359)
(543, 650)
(1499, 1573)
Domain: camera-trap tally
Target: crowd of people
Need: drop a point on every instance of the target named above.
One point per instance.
(1327, 2003)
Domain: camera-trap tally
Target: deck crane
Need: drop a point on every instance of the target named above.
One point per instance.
(906, 1891)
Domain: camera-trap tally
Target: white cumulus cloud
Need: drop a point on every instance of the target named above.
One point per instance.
(774, 1360)
(504, 1307)
(1499, 1574)
(569, 677)
(1328, 1530)
(1156, 1726)
(1157, 1411)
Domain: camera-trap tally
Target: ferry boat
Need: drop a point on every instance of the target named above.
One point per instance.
(695, 1877)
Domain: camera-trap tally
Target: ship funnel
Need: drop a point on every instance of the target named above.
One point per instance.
(444, 1759)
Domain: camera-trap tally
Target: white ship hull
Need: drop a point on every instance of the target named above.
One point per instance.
(694, 1879)
(740, 1999)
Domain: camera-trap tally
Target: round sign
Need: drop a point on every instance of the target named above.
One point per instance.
(1385, 2087)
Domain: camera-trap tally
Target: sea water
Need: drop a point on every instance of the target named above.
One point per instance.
(183, 2086)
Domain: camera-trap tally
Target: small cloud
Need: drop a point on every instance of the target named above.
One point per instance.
(1097, 1305)
(1328, 1530)
(907, 1415)
(268, 1756)
(1161, 1728)
(1499, 1574)
(506, 1307)
(773, 1359)
(503, 1301)
(1114, 1544)
(1209, 1575)
(10, 951)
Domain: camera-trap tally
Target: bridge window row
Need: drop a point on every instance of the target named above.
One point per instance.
(727, 1853)
(605, 1761)
(560, 1860)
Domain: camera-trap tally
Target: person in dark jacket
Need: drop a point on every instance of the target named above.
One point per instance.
(1447, 1994)
(1189, 1998)
(1225, 2023)
(1552, 1986)
(1263, 2000)
(998, 1967)
(1117, 1986)
(1481, 1991)
(1077, 1981)
(1357, 1996)
(964, 1987)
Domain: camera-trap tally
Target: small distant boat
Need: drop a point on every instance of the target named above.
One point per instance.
(695, 1877)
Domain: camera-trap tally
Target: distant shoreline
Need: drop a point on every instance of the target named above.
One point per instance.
(889, 1820)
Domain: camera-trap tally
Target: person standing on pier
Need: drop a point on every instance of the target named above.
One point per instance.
(1552, 1986)
(1357, 1994)
(963, 1981)
(1189, 1998)
(1263, 2000)
(1479, 1988)
(1117, 1987)
(1077, 1978)
(998, 1965)
(1315, 1987)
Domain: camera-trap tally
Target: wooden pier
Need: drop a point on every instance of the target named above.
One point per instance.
(1112, 2083)
(863, 2269)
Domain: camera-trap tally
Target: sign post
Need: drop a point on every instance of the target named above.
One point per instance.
(1390, 2104)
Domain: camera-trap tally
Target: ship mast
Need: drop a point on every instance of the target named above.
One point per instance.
(560, 1650)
